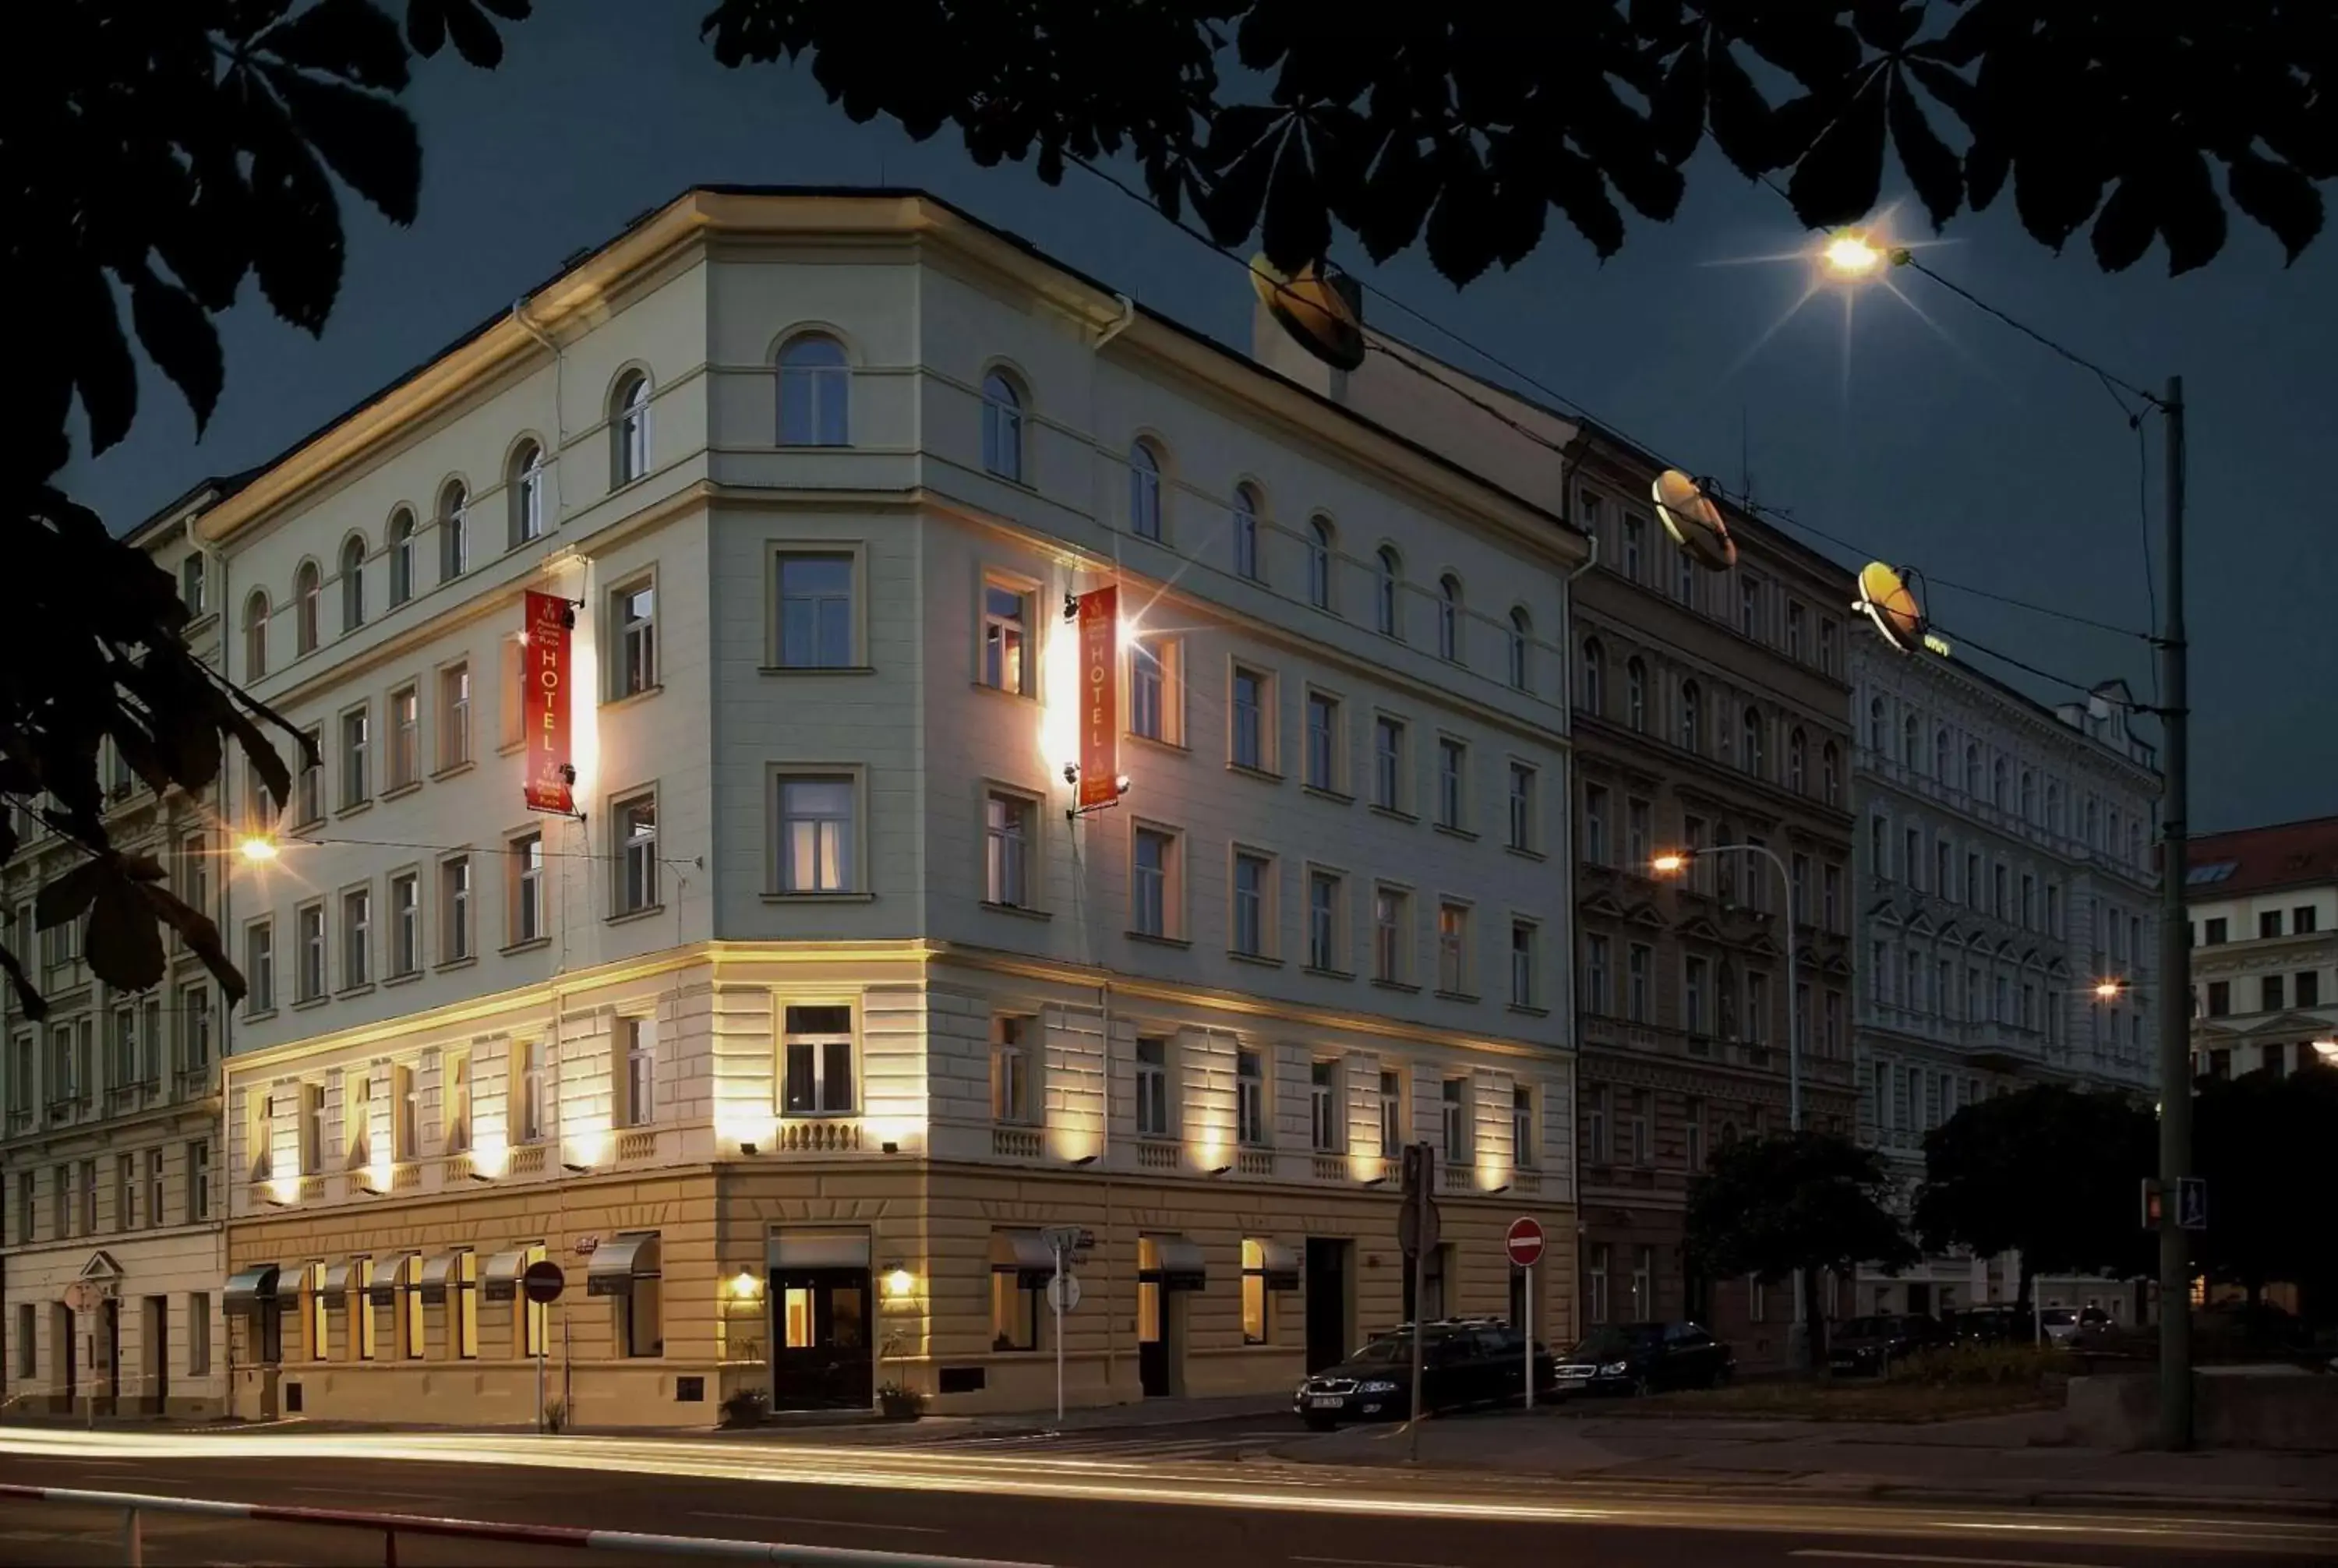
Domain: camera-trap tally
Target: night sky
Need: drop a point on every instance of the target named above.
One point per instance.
(1975, 455)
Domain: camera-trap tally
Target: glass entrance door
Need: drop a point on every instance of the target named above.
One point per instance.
(821, 1357)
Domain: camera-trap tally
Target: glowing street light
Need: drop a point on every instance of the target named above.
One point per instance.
(257, 849)
(1669, 865)
(2109, 990)
(1850, 255)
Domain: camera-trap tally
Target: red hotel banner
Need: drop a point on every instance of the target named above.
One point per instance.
(1099, 698)
(543, 704)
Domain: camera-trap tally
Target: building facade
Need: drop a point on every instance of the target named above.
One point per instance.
(2263, 908)
(791, 1043)
(2008, 914)
(1711, 714)
(109, 1159)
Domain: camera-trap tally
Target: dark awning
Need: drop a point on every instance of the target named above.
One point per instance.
(437, 1275)
(1024, 1254)
(335, 1286)
(616, 1264)
(388, 1274)
(249, 1289)
(1279, 1264)
(502, 1278)
(1180, 1265)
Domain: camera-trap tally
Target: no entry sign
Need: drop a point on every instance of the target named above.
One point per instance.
(1523, 1243)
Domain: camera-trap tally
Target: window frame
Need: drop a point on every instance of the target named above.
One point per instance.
(633, 659)
(826, 388)
(624, 879)
(854, 553)
(854, 842)
(1026, 847)
(1171, 892)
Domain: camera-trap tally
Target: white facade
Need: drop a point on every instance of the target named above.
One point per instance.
(2262, 907)
(2004, 873)
(847, 701)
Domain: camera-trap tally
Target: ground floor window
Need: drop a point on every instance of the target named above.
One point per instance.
(1014, 1312)
(1255, 1296)
(641, 1313)
(198, 1335)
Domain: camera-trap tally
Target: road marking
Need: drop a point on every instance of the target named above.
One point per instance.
(1368, 1563)
(825, 1524)
(1924, 1557)
(368, 1492)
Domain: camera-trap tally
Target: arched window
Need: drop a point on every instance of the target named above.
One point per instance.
(1750, 758)
(1449, 618)
(1595, 678)
(1972, 768)
(353, 603)
(1831, 771)
(401, 557)
(1391, 570)
(1797, 757)
(815, 392)
(524, 491)
(1940, 755)
(454, 531)
(1002, 426)
(1246, 510)
(1636, 694)
(1319, 562)
(1521, 640)
(1728, 990)
(2134, 848)
(1692, 718)
(629, 429)
(2028, 796)
(2053, 806)
(1143, 490)
(308, 590)
(255, 634)
(1911, 750)
(1878, 730)
(1998, 795)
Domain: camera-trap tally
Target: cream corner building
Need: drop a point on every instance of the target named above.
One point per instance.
(788, 1048)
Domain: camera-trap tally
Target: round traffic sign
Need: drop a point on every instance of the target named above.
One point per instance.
(1523, 1243)
(83, 1294)
(1064, 1292)
(543, 1281)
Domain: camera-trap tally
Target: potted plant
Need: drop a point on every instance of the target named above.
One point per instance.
(899, 1402)
(746, 1407)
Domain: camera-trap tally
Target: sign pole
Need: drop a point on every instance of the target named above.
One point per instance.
(1530, 1322)
(1056, 1299)
(1422, 1183)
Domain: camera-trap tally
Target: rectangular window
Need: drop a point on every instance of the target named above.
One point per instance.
(1637, 962)
(125, 1192)
(1522, 807)
(633, 616)
(28, 1205)
(463, 1306)
(1452, 764)
(2269, 925)
(1638, 849)
(406, 924)
(1634, 536)
(1594, 1272)
(2269, 994)
(1393, 1117)
(1251, 718)
(455, 909)
(1153, 1109)
(2308, 988)
(1250, 1099)
(636, 851)
(2304, 920)
(1594, 973)
(312, 1128)
(817, 1056)
(1254, 1294)
(309, 785)
(1692, 993)
(1007, 821)
(1638, 1148)
(816, 835)
(1911, 857)
(637, 1058)
(1453, 949)
(405, 737)
(198, 1335)
(1594, 824)
(1757, 1009)
(1156, 707)
(1453, 1104)
(1391, 935)
(1523, 1143)
(456, 1090)
(1323, 946)
(1010, 1070)
(1323, 741)
(815, 613)
(357, 738)
(1152, 882)
(1325, 1119)
(1693, 1134)
(1252, 910)
(1831, 897)
(524, 859)
(1006, 638)
(357, 938)
(454, 716)
(529, 1115)
(405, 1113)
(199, 1181)
(309, 935)
(1524, 962)
(1387, 764)
(358, 1123)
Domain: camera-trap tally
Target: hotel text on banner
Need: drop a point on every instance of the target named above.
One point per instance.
(545, 705)
(1099, 698)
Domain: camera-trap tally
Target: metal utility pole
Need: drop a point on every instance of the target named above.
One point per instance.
(2175, 968)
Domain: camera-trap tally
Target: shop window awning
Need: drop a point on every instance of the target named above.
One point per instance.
(617, 1263)
(250, 1289)
(1179, 1265)
(437, 1273)
(1279, 1264)
(502, 1278)
(1024, 1254)
(388, 1274)
(335, 1284)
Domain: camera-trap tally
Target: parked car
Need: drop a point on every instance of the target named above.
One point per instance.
(1644, 1358)
(2063, 1324)
(1866, 1346)
(2003, 1323)
(1464, 1363)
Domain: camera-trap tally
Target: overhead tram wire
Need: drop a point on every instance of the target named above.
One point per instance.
(1774, 516)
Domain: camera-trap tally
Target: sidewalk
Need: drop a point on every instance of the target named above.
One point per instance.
(858, 1430)
(2003, 1460)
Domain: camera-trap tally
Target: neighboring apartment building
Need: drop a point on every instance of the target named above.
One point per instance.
(789, 1044)
(2262, 903)
(110, 1156)
(1712, 710)
(2005, 876)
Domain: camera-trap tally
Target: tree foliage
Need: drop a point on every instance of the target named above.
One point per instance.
(158, 157)
(1467, 124)
(2053, 1172)
(2268, 1147)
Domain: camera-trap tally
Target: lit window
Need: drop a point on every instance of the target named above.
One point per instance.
(815, 834)
(1453, 949)
(1010, 1070)
(816, 1061)
(1006, 638)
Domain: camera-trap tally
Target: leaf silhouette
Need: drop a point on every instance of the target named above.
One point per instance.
(2278, 197)
(177, 335)
(1931, 167)
(1838, 179)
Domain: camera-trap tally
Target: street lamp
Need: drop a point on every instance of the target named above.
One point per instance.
(1853, 256)
(1675, 863)
(257, 848)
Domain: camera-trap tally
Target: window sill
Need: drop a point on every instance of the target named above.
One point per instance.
(1336, 797)
(1466, 835)
(464, 962)
(362, 988)
(981, 685)
(1264, 775)
(1177, 942)
(511, 748)
(307, 1004)
(1327, 973)
(1019, 911)
(351, 807)
(400, 979)
(1523, 853)
(817, 669)
(397, 791)
(1529, 1010)
(1405, 986)
(627, 916)
(768, 897)
(630, 698)
(453, 770)
(1469, 996)
(308, 822)
(1394, 814)
(1263, 960)
(533, 944)
(261, 1016)
(1177, 747)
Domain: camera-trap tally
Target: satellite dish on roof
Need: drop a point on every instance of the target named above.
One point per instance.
(1319, 305)
(1886, 598)
(1692, 520)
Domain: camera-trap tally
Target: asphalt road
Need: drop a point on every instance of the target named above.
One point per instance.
(1074, 1511)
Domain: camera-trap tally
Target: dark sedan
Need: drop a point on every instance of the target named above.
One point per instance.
(1463, 1364)
(1867, 1347)
(1644, 1358)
